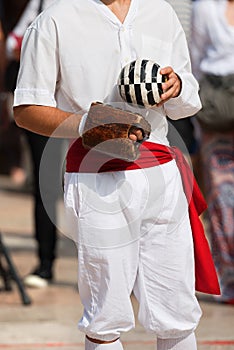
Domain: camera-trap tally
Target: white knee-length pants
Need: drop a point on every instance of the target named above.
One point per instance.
(133, 234)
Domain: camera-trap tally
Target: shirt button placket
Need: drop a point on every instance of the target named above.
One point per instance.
(125, 51)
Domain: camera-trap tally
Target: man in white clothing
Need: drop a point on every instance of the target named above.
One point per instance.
(132, 228)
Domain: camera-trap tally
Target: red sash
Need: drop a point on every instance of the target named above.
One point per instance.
(152, 154)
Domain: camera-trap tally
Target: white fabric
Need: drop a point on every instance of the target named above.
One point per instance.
(185, 343)
(112, 346)
(132, 228)
(75, 64)
(133, 235)
(212, 44)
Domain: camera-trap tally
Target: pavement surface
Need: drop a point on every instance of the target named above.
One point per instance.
(50, 320)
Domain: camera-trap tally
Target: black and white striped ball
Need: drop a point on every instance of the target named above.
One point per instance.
(140, 83)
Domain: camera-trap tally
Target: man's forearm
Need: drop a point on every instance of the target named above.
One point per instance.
(47, 121)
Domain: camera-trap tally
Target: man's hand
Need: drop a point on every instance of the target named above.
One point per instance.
(172, 87)
(136, 134)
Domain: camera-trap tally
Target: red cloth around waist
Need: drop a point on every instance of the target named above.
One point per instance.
(153, 154)
(82, 160)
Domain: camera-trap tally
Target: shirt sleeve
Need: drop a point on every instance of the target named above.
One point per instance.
(39, 69)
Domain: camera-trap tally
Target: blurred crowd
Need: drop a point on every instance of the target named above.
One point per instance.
(210, 151)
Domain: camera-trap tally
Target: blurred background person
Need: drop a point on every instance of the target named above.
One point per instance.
(46, 179)
(212, 54)
(182, 132)
(11, 148)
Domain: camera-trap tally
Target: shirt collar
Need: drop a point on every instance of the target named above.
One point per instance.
(112, 17)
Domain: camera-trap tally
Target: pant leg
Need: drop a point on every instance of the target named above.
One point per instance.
(165, 283)
(45, 195)
(106, 219)
(133, 227)
(105, 281)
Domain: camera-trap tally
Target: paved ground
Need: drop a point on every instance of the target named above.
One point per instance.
(49, 322)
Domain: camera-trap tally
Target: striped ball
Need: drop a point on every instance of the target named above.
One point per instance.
(140, 82)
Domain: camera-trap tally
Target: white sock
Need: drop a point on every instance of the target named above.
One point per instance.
(184, 343)
(89, 345)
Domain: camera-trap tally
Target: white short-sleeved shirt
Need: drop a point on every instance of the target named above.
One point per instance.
(73, 53)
